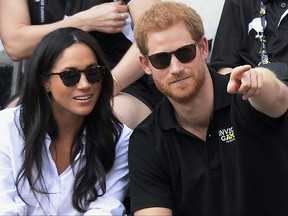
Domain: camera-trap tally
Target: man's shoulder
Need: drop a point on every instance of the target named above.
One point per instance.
(151, 126)
(152, 121)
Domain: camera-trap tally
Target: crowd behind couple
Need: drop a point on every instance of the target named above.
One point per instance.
(98, 113)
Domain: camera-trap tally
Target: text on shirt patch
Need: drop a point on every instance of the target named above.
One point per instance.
(227, 135)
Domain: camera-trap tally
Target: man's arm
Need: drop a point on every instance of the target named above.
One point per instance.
(261, 87)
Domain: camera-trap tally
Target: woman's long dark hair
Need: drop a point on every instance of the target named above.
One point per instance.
(103, 129)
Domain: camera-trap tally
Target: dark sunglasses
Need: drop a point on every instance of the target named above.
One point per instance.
(184, 54)
(94, 73)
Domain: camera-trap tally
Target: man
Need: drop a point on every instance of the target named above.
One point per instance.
(215, 145)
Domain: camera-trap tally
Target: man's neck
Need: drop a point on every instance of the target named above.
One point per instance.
(195, 115)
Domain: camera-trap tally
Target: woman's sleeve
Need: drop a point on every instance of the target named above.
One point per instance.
(10, 202)
(116, 182)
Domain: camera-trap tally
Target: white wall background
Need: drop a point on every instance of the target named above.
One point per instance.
(209, 10)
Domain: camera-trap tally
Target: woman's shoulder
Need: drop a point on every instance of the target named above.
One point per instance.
(8, 115)
(123, 141)
(126, 132)
(9, 130)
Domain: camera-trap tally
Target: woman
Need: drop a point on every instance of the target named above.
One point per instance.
(62, 151)
(108, 21)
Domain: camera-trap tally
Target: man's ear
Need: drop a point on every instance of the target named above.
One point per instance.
(204, 47)
(145, 64)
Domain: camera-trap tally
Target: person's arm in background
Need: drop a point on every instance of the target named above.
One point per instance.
(260, 86)
(228, 38)
(20, 38)
(225, 70)
(128, 69)
(154, 211)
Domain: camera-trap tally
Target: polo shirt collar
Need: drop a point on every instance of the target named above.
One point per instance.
(222, 98)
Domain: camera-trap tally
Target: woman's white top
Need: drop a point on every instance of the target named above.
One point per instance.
(58, 202)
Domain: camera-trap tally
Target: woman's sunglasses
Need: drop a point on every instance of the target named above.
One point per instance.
(184, 54)
(94, 73)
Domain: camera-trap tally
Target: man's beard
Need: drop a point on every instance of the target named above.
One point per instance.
(186, 93)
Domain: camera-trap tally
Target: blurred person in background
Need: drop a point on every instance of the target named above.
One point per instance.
(254, 33)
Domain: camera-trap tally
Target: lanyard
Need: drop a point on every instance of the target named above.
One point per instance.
(263, 51)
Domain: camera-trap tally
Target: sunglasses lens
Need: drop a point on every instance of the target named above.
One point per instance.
(186, 54)
(160, 60)
(70, 77)
(95, 73)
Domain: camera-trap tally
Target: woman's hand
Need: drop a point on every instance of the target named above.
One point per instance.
(107, 17)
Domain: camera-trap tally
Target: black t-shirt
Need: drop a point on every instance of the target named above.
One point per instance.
(241, 168)
(49, 11)
(237, 38)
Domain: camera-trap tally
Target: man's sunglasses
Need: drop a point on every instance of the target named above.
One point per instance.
(184, 54)
(94, 73)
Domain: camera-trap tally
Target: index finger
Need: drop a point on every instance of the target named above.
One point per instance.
(237, 72)
(235, 78)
